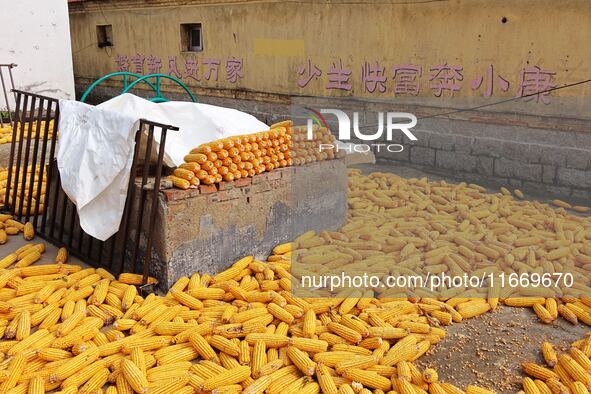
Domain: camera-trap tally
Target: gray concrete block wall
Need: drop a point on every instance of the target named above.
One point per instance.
(552, 162)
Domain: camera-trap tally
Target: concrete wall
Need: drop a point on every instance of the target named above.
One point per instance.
(36, 36)
(208, 228)
(275, 39)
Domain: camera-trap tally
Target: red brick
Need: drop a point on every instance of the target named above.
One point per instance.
(274, 175)
(242, 182)
(225, 185)
(207, 189)
(226, 195)
(259, 188)
(259, 178)
(178, 194)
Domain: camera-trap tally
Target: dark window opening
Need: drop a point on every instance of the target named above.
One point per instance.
(191, 37)
(104, 36)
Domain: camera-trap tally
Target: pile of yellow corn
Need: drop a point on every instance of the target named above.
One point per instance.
(38, 190)
(78, 330)
(246, 155)
(566, 373)
(6, 132)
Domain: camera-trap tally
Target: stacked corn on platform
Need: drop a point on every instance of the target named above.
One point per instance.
(244, 156)
(75, 330)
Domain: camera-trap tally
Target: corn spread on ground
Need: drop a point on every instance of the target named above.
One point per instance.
(38, 131)
(68, 329)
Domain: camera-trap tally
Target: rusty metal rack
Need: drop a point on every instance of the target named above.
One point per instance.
(130, 249)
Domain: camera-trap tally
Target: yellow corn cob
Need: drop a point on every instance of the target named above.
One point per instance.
(74, 365)
(549, 354)
(543, 313)
(258, 386)
(225, 345)
(552, 307)
(259, 356)
(139, 359)
(179, 182)
(368, 378)
(28, 231)
(301, 360)
(270, 340)
(471, 389)
(62, 256)
(280, 313)
(403, 350)
(567, 314)
(203, 348)
(7, 261)
(96, 382)
(574, 369)
(556, 386)
(36, 385)
(51, 354)
(134, 279)
(134, 376)
(228, 377)
(24, 325)
(15, 370)
(28, 259)
(344, 332)
(430, 375)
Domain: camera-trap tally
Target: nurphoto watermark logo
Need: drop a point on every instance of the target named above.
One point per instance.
(388, 123)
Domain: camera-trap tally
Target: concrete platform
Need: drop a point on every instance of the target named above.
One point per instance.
(209, 228)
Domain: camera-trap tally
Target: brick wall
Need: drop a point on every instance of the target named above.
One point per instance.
(208, 228)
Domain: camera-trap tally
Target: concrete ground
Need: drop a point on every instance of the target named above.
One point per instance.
(488, 350)
(16, 241)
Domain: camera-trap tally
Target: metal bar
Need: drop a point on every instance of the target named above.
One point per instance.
(89, 250)
(34, 164)
(14, 186)
(128, 210)
(12, 145)
(142, 196)
(64, 211)
(10, 67)
(160, 125)
(80, 231)
(50, 171)
(156, 190)
(43, 167)
(26, 163)
(38, 96)
(100, 251)
(73, 216)
(5, 97)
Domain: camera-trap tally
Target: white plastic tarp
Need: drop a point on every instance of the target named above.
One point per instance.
(96, 145)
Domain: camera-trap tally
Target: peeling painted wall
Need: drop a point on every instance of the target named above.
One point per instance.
(489, 42)
(36, 36)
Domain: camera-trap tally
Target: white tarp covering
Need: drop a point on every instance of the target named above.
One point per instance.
(96, 145)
